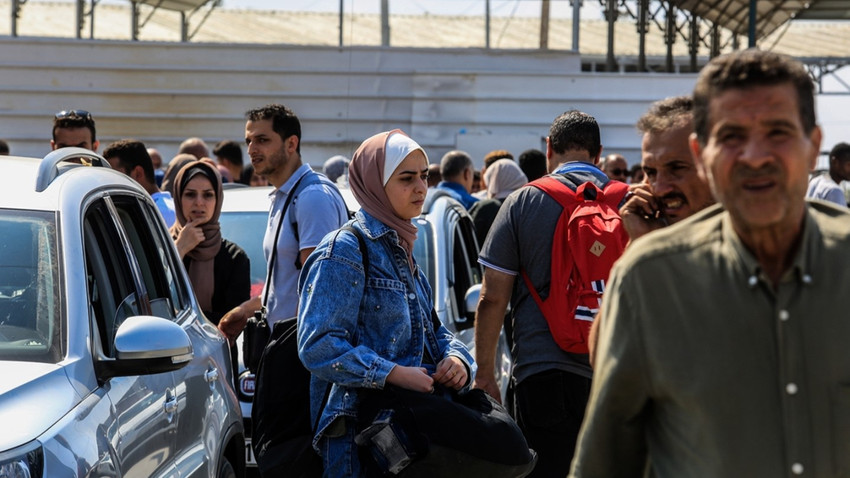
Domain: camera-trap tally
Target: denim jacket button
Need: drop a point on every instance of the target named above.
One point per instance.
(411, 296)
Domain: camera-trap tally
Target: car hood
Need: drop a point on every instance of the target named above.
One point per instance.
(33, 396)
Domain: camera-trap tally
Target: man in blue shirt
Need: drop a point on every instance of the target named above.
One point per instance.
(458, 174)
(273, 137)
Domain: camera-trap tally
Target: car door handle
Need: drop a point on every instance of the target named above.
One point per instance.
(211, 375)
(171, 405)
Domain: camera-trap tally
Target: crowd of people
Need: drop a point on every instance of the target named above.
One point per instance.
(715, 348)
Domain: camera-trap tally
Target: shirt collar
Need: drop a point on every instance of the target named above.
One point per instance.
(800, 269)
(286, 187)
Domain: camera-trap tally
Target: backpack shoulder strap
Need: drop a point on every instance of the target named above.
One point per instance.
(361, 243)
(559, 191)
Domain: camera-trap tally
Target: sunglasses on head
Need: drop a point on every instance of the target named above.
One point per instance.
(620, 172)
(73, 113)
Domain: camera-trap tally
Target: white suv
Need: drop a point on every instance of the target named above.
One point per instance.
(107, 365)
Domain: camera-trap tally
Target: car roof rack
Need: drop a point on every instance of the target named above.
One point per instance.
(49, 169)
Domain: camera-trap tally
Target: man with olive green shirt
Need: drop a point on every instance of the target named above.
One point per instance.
(723, 350)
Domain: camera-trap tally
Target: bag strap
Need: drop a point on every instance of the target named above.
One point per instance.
(270, 266)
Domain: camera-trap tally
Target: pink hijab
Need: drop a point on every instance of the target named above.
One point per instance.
(365, 177)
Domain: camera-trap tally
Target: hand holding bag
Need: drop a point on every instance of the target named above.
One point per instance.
(445, 433)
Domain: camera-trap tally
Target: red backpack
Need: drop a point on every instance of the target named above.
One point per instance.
(589, 237)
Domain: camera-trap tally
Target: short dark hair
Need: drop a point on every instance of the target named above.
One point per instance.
(840, 152)
(575, 131)
(4, 147)
(230, 150)
(74, 119)
(131, 153)
(533, 163)
(284, 121)
(454, 163)
(496, 155)
(667, 114)
(747, 69)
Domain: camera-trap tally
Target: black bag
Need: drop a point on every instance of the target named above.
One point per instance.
(445, 433)
(257, 335)
(281, 432)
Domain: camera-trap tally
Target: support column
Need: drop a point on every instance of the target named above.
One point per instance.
(642, 29)
(670, 35)
(576, 23)
(611, 16)
(385, 22)
(486, 24)
(134, 20)
(693, 42)
(544, 25)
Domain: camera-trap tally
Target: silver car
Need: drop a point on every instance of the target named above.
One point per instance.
(107, 366)
(445, 248)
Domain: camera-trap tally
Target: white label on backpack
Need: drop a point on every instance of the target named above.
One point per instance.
(597, 248)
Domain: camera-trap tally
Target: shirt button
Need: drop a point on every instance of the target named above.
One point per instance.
(411, 296)
(807, 279)
(784, 315)
(797, 469)
(791, 388)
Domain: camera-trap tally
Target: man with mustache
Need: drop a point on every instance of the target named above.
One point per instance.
(672, 189)
(723, 350)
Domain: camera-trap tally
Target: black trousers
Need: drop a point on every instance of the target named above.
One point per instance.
(549, 410)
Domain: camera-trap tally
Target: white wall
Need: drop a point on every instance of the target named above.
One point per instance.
(162, 93)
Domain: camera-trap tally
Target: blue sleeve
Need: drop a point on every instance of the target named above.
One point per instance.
(836, 195)
(318, 211)
(331, 288)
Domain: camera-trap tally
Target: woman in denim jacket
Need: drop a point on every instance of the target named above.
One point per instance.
(355, 336)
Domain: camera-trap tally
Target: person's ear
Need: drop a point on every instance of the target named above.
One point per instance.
(94, 146)
(815, 137)
(696, 153)
(291, 144)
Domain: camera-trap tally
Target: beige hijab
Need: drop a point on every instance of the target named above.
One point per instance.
(503, 177)
(201, 268)
(366, 178)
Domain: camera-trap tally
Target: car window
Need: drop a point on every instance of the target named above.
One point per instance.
(31, 325)
(112, 291)
(464, 256)
(152, 253)
(247, 229)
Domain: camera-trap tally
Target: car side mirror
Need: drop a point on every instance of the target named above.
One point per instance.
(147, 345)
(466, 319)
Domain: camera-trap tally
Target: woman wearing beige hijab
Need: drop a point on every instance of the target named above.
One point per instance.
(502, 178)
(219, 270)
(372, 328)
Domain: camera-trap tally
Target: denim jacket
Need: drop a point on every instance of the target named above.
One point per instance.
(353, 335)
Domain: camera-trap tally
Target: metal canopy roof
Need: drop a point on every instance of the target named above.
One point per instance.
(771, 14)
(176, 5)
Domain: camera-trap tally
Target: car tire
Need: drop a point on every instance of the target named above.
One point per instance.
(225, 470)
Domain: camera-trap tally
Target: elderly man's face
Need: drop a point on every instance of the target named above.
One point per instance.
(757, 156)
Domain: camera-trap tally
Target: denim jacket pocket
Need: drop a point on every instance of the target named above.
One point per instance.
(386, 309)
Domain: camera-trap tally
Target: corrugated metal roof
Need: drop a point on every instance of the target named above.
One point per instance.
(113, 22)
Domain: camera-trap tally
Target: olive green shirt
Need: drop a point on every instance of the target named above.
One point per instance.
(706, 370)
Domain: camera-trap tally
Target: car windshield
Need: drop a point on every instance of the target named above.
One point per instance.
(30, 305)
(246, 229)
